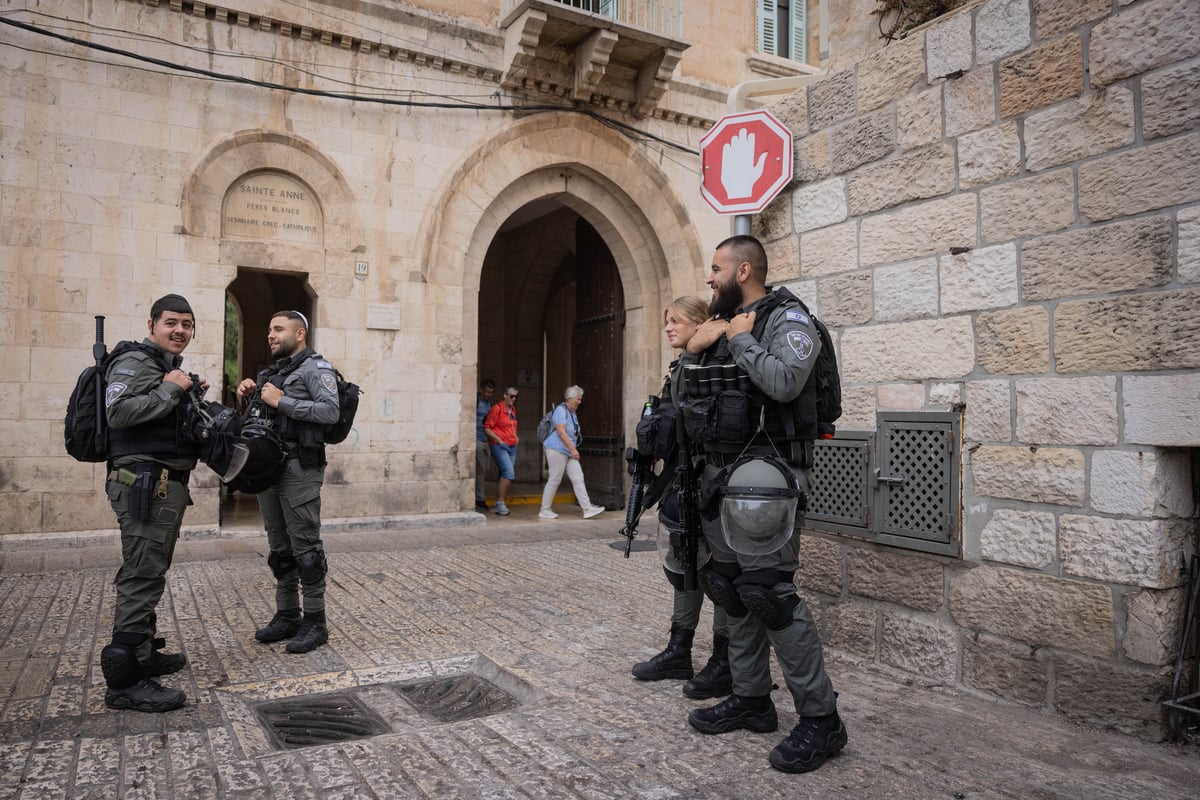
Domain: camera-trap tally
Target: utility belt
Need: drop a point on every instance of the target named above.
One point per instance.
(146, 481)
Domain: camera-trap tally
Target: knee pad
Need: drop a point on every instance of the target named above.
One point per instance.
(720, 589)
(281, 564)
(312, 566)
(120, 666)
(763, 603)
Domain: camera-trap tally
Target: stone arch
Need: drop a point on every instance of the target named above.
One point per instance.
(249, 151)
(604, 178)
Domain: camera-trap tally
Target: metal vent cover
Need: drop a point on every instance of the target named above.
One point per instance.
(916, 485)
(839, 490)
(311, 720)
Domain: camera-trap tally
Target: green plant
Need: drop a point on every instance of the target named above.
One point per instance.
(898, 17)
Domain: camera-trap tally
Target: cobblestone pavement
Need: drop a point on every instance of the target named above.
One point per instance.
(548, 612)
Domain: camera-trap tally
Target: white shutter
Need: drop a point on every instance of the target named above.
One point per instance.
(766, 26)
(608, 8)
(799, 22)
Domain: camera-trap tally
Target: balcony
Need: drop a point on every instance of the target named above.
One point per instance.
(618, 53)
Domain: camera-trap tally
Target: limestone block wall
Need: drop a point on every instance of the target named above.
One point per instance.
(1001, 214)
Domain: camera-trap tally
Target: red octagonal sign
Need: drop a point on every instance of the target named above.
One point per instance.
(745, 161)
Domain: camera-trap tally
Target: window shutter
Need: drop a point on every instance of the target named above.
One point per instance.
(608, 8)
(799, 20)
(766, 26)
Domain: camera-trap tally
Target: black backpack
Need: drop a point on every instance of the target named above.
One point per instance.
(85, 429)
(827, 378)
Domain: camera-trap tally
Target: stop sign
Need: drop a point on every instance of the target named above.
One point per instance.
(745, 161)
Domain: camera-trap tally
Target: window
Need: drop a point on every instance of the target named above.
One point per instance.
(783, 28)
(898, 486)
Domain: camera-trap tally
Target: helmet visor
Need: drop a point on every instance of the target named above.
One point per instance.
(671, 551)
(757, 524)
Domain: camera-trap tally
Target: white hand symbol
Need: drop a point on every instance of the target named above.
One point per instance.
(738, 170)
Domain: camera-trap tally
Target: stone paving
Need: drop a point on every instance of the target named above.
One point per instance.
(547, 611)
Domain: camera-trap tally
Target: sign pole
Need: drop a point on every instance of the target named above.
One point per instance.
(741, 224)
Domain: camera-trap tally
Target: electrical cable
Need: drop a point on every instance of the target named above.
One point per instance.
(629, 130)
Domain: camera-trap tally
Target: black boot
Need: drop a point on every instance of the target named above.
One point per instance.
(714, 680)
(752, 713)
(312, 634)
(813, 740)
(283, 625)
(673, 662)
(130, 687)
(163, 663)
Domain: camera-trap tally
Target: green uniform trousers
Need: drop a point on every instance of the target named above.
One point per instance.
(685, 612)
(147, 547)
(291, 511)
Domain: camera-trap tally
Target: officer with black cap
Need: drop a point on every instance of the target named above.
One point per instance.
(759, 481)
(297, 397)
(150, 461)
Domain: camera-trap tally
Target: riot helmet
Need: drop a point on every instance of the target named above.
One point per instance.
(758, 505)
(265, 462)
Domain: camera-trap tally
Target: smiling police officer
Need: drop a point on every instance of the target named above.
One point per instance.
(149, 466)
(297, 396)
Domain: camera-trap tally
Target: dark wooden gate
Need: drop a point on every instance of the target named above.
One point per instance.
(597, 360)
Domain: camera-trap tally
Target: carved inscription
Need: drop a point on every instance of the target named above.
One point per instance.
(271, 205)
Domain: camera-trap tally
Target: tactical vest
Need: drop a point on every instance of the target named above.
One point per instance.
(794, 421)
(304, 440)
(158, 437)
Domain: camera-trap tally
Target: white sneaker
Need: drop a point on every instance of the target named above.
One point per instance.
(546, 513)
(594, 511)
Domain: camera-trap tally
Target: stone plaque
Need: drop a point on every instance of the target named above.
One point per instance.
(271, 205)
(383, 316)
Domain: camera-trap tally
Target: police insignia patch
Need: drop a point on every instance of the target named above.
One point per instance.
(329, 382)
(801, 344)
(797, 316)
(123, 371)
(113, 392)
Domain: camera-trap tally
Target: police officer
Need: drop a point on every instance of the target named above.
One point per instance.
(147, 487)
(298, 397)
(776, 343)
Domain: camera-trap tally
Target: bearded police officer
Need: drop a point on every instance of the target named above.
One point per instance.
(297, 396)
(759, 470)
(147, 487)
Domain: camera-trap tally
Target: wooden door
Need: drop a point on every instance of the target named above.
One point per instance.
(597, 358)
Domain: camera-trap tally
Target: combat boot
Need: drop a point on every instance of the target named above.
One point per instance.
(283, 625)
(752, 713)
(715, 680)
(673, 662)
(312, 634)
(128, 685)
(813, 740)
(163, 663)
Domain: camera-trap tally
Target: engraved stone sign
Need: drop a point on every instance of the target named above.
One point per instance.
(271, 205)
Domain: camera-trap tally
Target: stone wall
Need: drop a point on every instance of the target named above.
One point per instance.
(1001, 213)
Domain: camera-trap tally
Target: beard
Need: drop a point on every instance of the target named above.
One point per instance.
(726, 299)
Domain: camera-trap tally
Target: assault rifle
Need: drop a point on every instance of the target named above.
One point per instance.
(689, 505)
(642, 469)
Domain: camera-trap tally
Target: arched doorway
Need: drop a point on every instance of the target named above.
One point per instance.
(552, 315)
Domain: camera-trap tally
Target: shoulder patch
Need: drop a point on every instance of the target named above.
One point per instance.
(793, 315)
(114, 391)
(324, 365)
(801, 344)
(123, 371)
(329, 382)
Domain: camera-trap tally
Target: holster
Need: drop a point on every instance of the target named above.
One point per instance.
(141, 495)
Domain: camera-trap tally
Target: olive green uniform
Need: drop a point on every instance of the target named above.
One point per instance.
(138, 395)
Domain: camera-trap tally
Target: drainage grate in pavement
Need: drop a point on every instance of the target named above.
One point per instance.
(458, 698)
(365, 711)
(319, 719)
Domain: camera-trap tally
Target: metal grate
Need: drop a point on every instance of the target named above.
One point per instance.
(897, 487)
(839, 491)
(915, 474)
(459, 698)
(319, 719)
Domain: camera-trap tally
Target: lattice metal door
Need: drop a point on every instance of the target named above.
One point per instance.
(839, 493)
(917, 475)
